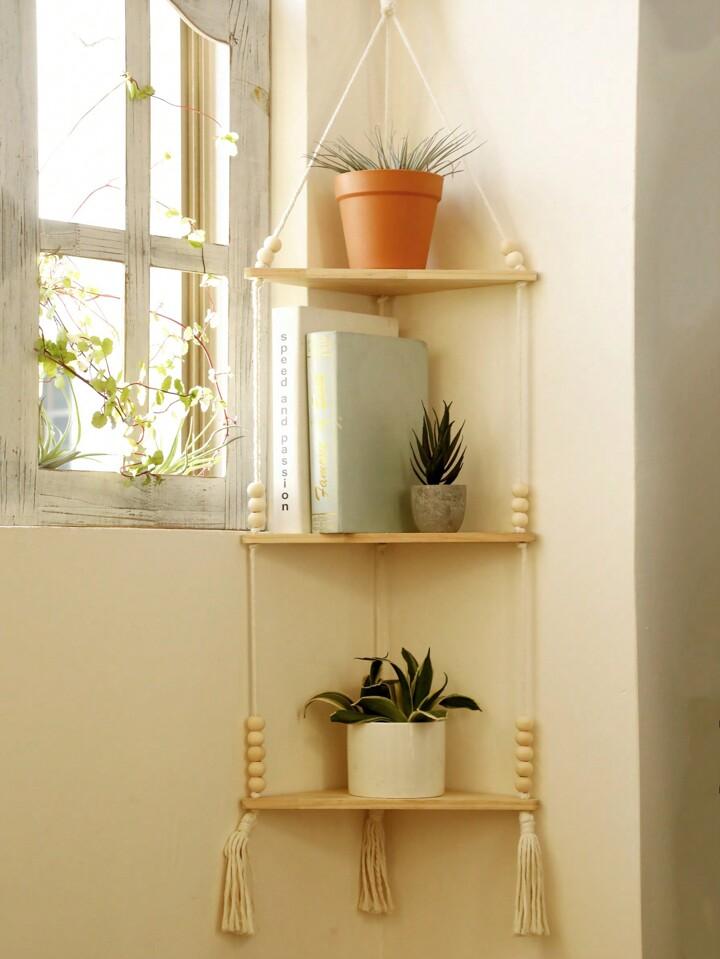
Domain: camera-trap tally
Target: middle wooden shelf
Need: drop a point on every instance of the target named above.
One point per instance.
(339, 799)
(363, 539)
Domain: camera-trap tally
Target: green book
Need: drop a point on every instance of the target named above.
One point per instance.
(364, 398)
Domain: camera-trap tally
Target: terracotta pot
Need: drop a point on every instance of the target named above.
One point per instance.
(388, 217)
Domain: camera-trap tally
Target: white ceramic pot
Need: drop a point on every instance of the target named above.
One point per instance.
(396, 760)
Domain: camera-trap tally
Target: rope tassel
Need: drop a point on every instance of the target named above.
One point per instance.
(237, 900)
(530, 917)
(374, 895)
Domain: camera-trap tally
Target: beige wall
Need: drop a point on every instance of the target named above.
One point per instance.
(678, 408)
(122, 695)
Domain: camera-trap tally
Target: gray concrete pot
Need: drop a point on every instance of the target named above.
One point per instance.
(438, 509)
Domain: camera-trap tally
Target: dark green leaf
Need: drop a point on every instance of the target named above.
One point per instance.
(339, 700)
(412, 663)
(379, 706)
(351, 716)
(459, 702)
(422, 682)
(422, 716)
(404, 694)
(432, 698)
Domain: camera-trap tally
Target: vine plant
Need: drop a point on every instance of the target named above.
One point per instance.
(70, 351)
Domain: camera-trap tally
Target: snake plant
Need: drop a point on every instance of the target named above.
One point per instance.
(438, 456)
(406, 697)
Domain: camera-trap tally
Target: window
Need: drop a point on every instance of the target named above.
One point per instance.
(127, 104)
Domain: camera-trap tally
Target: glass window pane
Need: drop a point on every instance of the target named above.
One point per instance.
(188, 372)
(81, 343)
(81, 111)
(166, 120)
(189, 120)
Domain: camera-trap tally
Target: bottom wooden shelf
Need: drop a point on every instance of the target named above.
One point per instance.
(338, 799)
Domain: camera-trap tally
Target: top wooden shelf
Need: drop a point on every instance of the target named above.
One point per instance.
(390, 282)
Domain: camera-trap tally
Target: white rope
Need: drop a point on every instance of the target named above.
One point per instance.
(525, 667)
(386, 113)
(331, 122)
(443, 117)
(374, 895)
(256, 351)
(252, 638)
(381, 644)
(530, 916)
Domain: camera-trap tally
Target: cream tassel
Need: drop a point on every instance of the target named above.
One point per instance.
(374, 895)
(237, 900)
(530, 917)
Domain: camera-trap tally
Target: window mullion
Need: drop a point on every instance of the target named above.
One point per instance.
(18, 265)
(249, 223)
(137, 174)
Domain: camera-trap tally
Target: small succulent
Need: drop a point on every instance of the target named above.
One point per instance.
(438, 457)
(408, 697)
(441, 153)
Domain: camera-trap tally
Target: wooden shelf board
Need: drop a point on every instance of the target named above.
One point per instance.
(362, 539)
(390, 282)
(338, 799)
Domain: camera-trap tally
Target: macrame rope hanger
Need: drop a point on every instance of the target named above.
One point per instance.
(238, 915)
(530, 913)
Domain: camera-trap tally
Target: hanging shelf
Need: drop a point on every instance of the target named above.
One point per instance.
(389, 282)
(380, 539)
(339, 799)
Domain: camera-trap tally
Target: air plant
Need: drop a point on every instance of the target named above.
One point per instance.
(442, 152)
(438, 456)
(406, 698)
(56, 447)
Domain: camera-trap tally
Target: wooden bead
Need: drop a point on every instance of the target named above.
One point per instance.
(257, 520)
(256, 769)
(523, 768)
(507, 246)
(523, 784)
(525, 723)
(256, 488)
(520, 504)
(256, 784)
(520, 519)
(257, 504)
(255, 724)
(272, 243)
(524, 753)
(259, 265)
(515, 259)
(265, 255)
(255, 754)
(520, 489)
(523, 738)
(255, 739)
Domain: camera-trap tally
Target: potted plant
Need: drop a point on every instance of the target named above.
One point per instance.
(388, 197)
(396, 729)
(436, 459)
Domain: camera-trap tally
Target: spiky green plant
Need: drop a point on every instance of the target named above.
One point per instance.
(406, 698)
(56, 447)
(438, 456)
(441, 153)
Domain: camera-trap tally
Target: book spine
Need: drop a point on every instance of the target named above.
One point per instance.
(323, 420)
(289, 502)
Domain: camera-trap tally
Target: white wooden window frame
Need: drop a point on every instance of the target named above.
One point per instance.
(29, 495)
